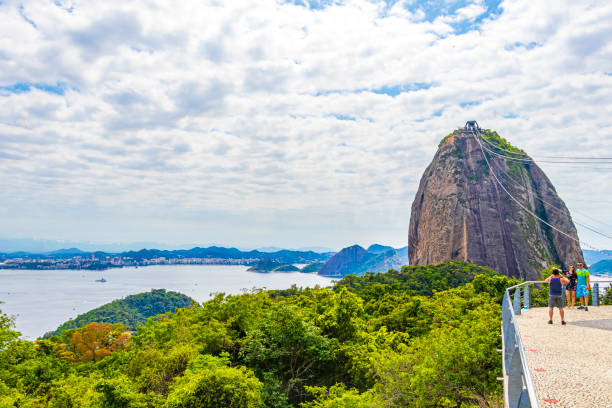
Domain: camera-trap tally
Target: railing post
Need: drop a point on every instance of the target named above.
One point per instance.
(524, 399)
(517, 301)
(527, 296)
(515, 379)
(596, 294)
(509, 331)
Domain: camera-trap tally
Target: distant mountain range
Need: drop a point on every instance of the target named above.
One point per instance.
(318, 249)
(592, 257)
(283, 256)
(351, 260)
(603, 267)
(45, 246)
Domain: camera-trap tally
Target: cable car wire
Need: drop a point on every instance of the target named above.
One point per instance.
(553, 206)
(609, 159)
(527, 209)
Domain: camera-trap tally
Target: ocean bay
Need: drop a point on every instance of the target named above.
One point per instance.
(41, 300)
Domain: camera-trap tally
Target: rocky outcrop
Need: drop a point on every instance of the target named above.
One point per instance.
(356, 260)
(462, 212)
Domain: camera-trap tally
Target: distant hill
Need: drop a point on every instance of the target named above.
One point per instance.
(269, 249)
(602, 267)
(403, 254)
(286, 268)
(592, 257)
(69, 251)
(318, 249)
(313, 267)
(377, 249)
(269, 265)
(284, 256)
(356, 260)
(132, 311)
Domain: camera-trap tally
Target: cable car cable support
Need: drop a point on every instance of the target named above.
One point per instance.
(525, 208)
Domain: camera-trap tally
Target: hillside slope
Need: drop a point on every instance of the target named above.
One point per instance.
(131, 311)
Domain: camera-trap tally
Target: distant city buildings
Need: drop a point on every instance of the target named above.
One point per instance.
(80, 262)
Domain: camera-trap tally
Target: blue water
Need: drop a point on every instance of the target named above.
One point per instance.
(42, 300)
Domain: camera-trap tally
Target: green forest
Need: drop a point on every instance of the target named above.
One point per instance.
(421, 337)
(132, 311)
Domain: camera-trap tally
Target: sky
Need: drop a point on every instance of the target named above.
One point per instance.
(285, 123)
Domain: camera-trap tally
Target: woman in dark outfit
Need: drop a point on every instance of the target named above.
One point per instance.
(570, 288)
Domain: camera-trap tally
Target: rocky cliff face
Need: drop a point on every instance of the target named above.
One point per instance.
(461, 212)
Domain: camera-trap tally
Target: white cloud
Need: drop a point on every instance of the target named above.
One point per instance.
(218, 115)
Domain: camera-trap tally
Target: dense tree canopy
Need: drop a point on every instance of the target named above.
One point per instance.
(131, 311)
(419, 337)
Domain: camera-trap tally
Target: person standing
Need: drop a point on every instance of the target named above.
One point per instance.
(570, 289)
(583, 284)
(555, 294)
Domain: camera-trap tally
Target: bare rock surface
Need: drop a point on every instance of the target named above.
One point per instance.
(461, 211)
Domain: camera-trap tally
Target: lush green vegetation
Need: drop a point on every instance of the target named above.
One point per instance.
(415, 280)
(445, 138)
(132, 311)
(313, 267)
(496, 139)
(419, 337)
(606, 299)
(286, 268)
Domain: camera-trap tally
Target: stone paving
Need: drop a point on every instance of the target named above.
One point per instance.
(571, 365)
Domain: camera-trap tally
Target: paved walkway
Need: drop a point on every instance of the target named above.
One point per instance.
(571, 365)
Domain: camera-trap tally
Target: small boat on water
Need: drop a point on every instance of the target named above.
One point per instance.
(102, 280)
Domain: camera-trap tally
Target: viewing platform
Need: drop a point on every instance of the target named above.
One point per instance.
(571, 365)
(555, 365)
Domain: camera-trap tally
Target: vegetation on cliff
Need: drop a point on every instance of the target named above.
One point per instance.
(373, 341)
(131, 311)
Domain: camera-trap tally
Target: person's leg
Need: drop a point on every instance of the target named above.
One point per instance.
(567, 296)
(562, 314)
(580, 294)
(550, 314)
(573, 292)
(586, 300)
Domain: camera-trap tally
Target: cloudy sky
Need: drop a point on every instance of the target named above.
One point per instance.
(286, 123)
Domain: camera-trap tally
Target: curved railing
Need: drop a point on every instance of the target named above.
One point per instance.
(519, 391)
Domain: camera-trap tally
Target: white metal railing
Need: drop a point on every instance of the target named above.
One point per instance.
(519, 390)
(596, 294)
